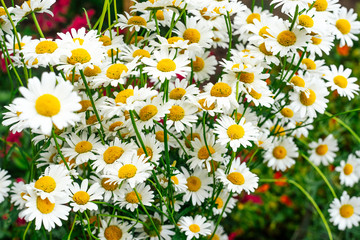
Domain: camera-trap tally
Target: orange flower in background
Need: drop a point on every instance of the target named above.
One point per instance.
(263, 188)
(343, 51)
(278, 175)
(285, 199)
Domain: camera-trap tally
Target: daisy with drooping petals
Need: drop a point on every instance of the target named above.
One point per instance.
(82, 196)
(346, 26)
(194, 227)
(46, 103)
(345, 213)
(131, 197)
(239, 178)
(281, 154)
(323, 151)
(112, 227)
(4, 184)
(349, 171)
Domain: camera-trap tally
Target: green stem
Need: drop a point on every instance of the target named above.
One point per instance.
(137, 132)
(344, 125)
(220, 217)
(37, 24)
(88, 226)
(72, 228)
(26, 230)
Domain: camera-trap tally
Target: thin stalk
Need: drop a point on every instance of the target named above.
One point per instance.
(72, 228)
(344, 125)
(26, 230)
(37, 24)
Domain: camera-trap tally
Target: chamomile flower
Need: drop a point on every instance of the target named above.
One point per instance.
(239, 178)
(181, 114)
(18, 191)
(129, 53)
(220, 203)
(46, 103)
(131, 197)
(220, 93)
(349, 171)
(194, 227)
(112, 228)
(180, 90)
(323, 151)
(178, 181)
(345, 212)
(281, 154)
(203, 66)
(346, 26)
(198, 188)
(290, 6)
(147, 230)
(38, 6)
(164, 65)
(340, 80)
(134, 22)
(12, 119)
(111, 191)
(4, 184)
(12, 44)
(236, 133)
(153, 148)
(82, 195)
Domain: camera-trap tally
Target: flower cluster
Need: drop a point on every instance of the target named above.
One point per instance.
(139, 133)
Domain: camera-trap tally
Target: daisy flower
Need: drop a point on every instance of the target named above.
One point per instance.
(112, 228)
(12, 44)
(346, 26)
(82, 147)
(111, 191)
(194, 227)
(290, 6)
(236, 133)
(131, 199)
(38, 6)
(46, 103)
(153, 148)
(83, 195)
(220, 203)
(134, 22)
(323, 151)
(340, 80)
(349, 171)
(204, 66)
(18, 191)
(165, 65)
(178, 181)
(147, 230)
(280, 155)
(198, 186)
(4, 184)
(12, 117)
(239, 178)
(181, 114)
(180, 90)
(345, 213)
(220, 93)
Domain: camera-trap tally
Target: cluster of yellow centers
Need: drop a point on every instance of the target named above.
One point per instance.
(79, 55)
(194, 228)
(308, 100)
(343, 26)
(81, 197)
(193, 183)
(235, 132)
(341, 81)
(147, 112)
(322, 149)
(348, 169)
(192, 34)
(83, 147)
(220, 89)
(177, 93)
(46, 46)
(113, 153)
(177, 113)
(113, 232)
(116, 70)
(44, 205)
(203, 152)
(107, 185)
(127, 171)
(279, 152)
(287, 112)
(346, 210)
(47, 105)
(286, 38)
(137, 20)
(166, 65)
(236, 178)
(132, 198)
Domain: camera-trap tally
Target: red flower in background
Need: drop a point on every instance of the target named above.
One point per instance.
(343, 51)
(47, 22)
(284, 199)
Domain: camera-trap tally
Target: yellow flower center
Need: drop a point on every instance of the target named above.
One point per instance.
(81, 197)
(127, 171)
(255, 94)
(115, 125)
(346, 210)
(115, 70)
(16, 44)
(286, 38)
(137, 20)
(192, 34)
(220, 89)
(306, 21)
(160, 15)
(287, 112)
(141, 53)
(46, 47)
(113, 52)
(198, 64)
(46, 183)
(341, 81)
(205, 106)
(219, 203)
(278, 130)
(159, 135)
(310, 64)
(112, 154)
(247, 77)
(83, 147)
(279, 152)
(215, 237)
(105, 40)
(177, 93)
(175, 180)
(132, 198)
(91, 72)
(297, 81)
(113, 232)
(166, 65)
(263, 32)
(149, 151)
(235, 132)
(343, 26)
(322, 149)
(236, 178)
(320, 5)
(203, 153)
(263, 49)
(108, 186)
(44, 205)
(193, 183)
(92, 119)
(191, 137)
(316, 41)
(47, 105)
(348, 169)
(80, 40)
(79, 55)
(173, 40)
(308, 101)
(251, 17)
(123, 95)
(71, 76)
(147, 112)
(194, 228)
(176, 113)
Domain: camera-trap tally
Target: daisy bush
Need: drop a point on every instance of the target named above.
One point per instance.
(149, 124)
